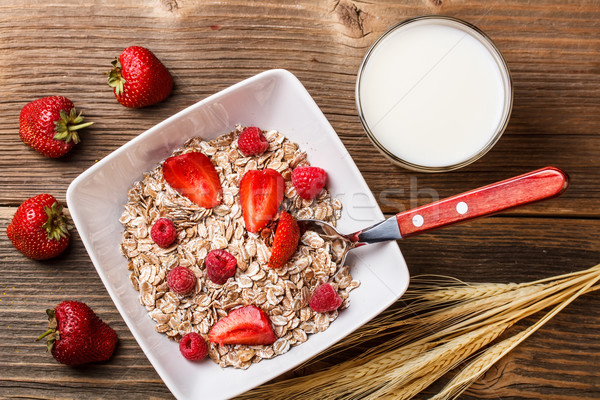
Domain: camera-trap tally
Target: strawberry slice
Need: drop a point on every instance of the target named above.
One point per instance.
(261, 193)
(245, 325)
(194, 176)
(285, 242)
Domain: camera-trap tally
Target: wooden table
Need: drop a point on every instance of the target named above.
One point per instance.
(552, 48)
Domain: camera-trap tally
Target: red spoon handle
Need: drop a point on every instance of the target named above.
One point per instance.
(523, 189)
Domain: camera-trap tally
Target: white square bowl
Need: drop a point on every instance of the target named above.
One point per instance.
(274, 99)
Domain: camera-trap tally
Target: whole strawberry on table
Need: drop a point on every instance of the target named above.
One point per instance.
(139, 79)
(49, 125)
(39, 229)
(77, 336)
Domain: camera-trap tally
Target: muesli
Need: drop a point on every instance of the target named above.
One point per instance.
(282, 293)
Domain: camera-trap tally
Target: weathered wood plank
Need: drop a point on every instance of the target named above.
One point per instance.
(551, 47)
(556, 82)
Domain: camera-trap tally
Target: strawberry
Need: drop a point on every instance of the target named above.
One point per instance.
(77, 336)
(39, 229)
(309, 181)
(285, 242)
(139, 79)
(49, 125)
(261, 193)
(252, 142)
(194, 176)
(245, 325)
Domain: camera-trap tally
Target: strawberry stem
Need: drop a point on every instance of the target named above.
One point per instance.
(67, 125)
(48, 332)
(56, 224)
(80, 126)
(115, 78)
(52, 332)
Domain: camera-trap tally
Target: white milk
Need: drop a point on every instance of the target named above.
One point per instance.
(433, 94)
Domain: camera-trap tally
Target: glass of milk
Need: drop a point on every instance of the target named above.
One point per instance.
(434, 93)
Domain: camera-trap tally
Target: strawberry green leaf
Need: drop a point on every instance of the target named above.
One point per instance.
(66, 126)
(56, 224)
(115, 78)
(52, 334)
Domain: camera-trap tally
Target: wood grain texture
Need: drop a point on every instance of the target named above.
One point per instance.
(551, 46)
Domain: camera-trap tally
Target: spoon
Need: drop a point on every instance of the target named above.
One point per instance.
(523, 189)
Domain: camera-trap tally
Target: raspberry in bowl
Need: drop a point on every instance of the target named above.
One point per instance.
(220, 266)
(181, 280)
(193, 346)
(163, 232)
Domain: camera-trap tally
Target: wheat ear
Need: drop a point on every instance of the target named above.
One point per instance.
(439, 360)
(484, 362)
(459, 293)
(437, 322)
(391, 370)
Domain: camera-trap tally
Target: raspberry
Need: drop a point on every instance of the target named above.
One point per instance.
(309, 181)
(193, 347)
(163, 232)
(181, 280)
(220, 265)
(325, 298)
(252, 142)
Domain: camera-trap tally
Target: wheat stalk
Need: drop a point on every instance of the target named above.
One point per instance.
(434, 333)
(408, 391)
(384, 371)
(437, 322)
(439, 360)
(311, 385)
(484, 362)
(476, 299)
(458, 293)
(448, 315)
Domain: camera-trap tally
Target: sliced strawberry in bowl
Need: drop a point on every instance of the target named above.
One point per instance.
(194, 176)
(261, 193)
(285, 242)
(245, 325)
